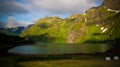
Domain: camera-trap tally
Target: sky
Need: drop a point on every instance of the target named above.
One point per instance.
(15, 13)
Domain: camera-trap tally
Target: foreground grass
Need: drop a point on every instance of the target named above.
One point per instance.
(71, 63)
(57, 61)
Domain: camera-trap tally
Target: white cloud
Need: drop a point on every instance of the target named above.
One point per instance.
(62, 6)
(32, 10)
(12, 22)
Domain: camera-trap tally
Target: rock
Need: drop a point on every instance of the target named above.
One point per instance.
(116, 58)
(107, 58)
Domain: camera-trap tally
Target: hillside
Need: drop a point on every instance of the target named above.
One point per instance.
(48, 29)
(98, 25)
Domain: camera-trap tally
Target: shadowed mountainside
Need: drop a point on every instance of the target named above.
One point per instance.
(112, 4)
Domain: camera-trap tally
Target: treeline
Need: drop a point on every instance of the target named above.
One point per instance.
(10, 39)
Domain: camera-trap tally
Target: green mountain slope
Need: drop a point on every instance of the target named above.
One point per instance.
(48, 29)
(97, 25)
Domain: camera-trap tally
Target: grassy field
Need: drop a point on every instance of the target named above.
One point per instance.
(71, 63)
(57, 61)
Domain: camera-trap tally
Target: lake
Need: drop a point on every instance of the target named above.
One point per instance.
(57, 48)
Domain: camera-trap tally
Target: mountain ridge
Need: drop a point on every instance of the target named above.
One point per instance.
(97, 24)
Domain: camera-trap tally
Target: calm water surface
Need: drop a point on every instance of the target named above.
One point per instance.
(43, 48)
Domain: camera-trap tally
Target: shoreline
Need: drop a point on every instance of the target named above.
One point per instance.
(70, 55)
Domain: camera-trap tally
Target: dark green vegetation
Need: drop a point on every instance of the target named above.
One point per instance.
(9, 41)
(9, 38)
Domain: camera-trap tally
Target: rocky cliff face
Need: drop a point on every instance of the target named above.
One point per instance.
(77, 30)
(112, 4)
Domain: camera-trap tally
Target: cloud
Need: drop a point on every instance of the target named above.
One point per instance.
(2, 24)
(11, 7)
(49, 7)
(62, 6)
(95, 1)
(12, 22)
(20, 11)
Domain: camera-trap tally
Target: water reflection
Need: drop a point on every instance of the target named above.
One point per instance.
(43, 48)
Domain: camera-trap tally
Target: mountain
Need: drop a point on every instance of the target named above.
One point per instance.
(14, 30)
(112, 4)
(47, 29)
(97, 25)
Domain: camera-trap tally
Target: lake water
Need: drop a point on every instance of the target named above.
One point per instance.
(43, 48)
